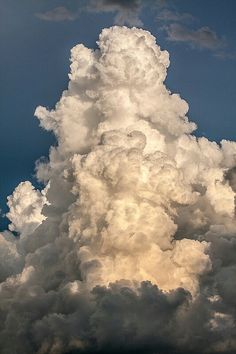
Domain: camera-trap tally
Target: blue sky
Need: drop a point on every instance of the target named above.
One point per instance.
(36, 37)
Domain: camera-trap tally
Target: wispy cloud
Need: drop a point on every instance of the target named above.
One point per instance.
(226, 55)
(170, 15)
(58, 14)
(126, 12)
(178, 27)
(203, 37)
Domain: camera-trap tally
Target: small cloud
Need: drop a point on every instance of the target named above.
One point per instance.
(115, 5)
(169, 15)
(58, 14)
(226, 55)
(126, 11)
(201, 38)
(174, 24)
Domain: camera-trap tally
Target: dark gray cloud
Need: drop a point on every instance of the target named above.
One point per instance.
(116, 319)
(122, 4)
(126, 12)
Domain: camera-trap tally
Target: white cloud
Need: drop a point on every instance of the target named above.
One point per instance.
(25, 206)
(134, 234)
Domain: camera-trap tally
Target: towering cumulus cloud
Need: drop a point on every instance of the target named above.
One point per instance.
(131, 245)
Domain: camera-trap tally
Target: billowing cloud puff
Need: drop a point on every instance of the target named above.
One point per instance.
(131, 245)
(25, 206)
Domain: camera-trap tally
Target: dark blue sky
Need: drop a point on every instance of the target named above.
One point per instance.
(36, 37)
